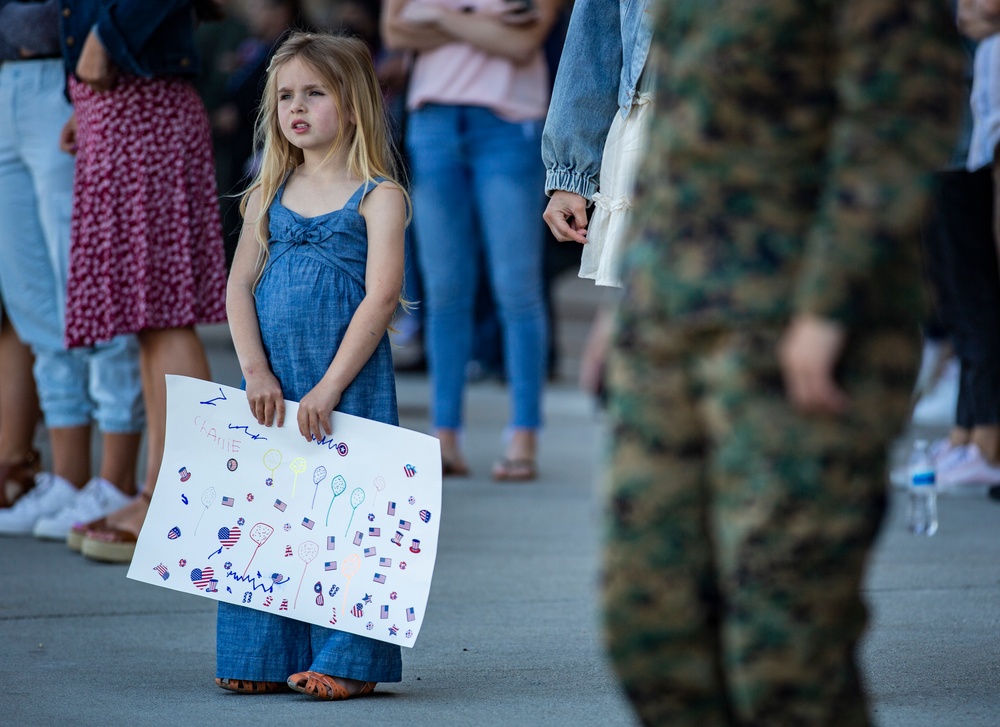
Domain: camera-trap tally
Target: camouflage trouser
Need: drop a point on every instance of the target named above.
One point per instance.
(738, 529)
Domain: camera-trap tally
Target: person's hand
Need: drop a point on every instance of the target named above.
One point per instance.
(67, 137)
(520, 12)
(566, 216)
(808, 353)
(95, 67)
(315, 411)
(421, 13)
(264, 395)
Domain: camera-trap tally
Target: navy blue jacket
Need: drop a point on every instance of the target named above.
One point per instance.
(143, 38)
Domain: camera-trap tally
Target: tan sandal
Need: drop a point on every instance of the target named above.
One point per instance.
(324, 686)
(248, 686)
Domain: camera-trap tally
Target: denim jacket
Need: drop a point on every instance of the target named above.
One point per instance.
(602, 34)
(143, 38)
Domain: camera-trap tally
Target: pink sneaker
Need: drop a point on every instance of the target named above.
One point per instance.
(966, 472)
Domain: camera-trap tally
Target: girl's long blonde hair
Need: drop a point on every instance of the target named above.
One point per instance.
(345, 66)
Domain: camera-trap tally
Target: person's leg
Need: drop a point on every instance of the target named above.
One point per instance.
(19, 416)
(797, 504)
(169, 351)
(447, 250)
(258, 648)
(660, 599)
(116, 388)
(965, 202)
(508, 179)
(346, 665)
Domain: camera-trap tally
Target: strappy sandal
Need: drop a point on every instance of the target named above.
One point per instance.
(324, 686)
(515, 470)
(248, 686)
(21, 475)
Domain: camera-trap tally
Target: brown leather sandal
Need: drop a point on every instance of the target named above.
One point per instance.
(248, 686)
(324, 686)
(19, 476)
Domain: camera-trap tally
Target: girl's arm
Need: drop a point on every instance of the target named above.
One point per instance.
(263, 390)
(384, 210)
(489, 33)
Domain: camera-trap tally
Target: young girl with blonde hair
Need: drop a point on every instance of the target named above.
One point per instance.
(315, 281)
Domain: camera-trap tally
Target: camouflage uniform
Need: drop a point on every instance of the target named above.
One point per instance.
(786, 174)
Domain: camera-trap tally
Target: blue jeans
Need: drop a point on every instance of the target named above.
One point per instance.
(36, 202)
(478, 190)
(261, 646)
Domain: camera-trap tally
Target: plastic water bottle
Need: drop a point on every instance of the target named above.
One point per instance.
(922, 516)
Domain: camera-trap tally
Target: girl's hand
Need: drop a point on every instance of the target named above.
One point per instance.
(315, 410)
(265, 398)
(95, 67)
(67, 137)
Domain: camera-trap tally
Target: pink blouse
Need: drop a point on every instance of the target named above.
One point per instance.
(461, 75)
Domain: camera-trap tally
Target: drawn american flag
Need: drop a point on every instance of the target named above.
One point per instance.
(404, 524)
(379, 578)
(227, 502)
(369, 552)
(410, 616)
(357, 537)
(385, 612)
(331, 565)
(391, 509)
(385, 562)
(331, 542)
(374, 532)
(307, 523)
(279, 505)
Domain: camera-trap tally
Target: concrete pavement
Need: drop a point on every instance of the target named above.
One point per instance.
(512, 635)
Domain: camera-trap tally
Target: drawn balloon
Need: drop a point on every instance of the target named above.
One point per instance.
(379, 486)
(339, 485)
(319, 474)
(308, 550)
(272, 459)
(259, 534)
(207, 498)
(298, 466)
(357, 497)
(348, 567)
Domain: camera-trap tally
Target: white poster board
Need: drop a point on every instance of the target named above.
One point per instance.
(341, 533)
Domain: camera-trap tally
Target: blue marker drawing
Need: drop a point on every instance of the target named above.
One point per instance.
(247, 431)
(221, 397)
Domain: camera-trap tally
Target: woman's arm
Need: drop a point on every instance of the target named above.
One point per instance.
(489, 33)
(384, 210)
(398, 34)
(264, 394)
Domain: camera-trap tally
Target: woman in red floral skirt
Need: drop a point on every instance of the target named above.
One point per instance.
(146, 253)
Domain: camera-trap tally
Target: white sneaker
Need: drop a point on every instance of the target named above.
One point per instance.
(50, 495)
(966, 472)
(94, 501)
(937, 404)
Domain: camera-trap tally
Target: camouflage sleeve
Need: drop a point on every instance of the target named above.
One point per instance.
(897, 78)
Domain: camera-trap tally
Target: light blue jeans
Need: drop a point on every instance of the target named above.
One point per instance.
(261, 646)
(478, 190)
(76, 386)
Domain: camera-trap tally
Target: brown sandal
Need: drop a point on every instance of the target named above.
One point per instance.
(248, 686)
(324, 686)
(21, 475)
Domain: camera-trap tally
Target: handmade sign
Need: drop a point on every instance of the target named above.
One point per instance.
(341, 533)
